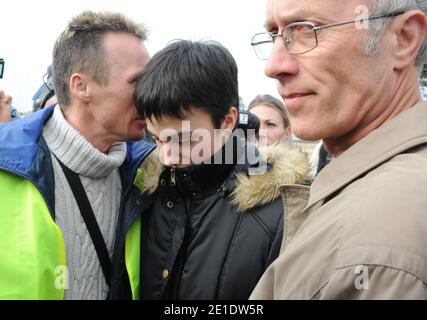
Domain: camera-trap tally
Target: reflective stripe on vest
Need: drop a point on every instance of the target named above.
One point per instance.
(132, 257)
(32, 252)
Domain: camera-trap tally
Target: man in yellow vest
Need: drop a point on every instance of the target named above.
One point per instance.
(67, 172)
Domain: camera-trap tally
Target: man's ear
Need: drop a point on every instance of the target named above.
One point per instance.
(410, 31)
(230, 119)
(79, 87)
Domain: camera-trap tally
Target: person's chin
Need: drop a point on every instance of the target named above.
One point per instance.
(308, 134)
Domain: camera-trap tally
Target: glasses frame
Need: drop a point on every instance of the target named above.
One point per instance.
(315, 28)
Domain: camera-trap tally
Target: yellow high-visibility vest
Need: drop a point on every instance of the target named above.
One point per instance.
(32, 252)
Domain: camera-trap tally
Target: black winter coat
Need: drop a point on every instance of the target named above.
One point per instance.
(210, 231)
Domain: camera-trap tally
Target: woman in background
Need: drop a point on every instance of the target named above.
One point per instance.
(274, 118)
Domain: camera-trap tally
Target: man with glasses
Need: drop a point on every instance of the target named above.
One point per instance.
(348, 72)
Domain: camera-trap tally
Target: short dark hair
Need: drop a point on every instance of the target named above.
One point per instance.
(186, 75)
(79, 48)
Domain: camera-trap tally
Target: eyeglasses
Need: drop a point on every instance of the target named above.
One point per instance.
(300, 37)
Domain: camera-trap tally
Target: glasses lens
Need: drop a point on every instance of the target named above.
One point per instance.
(299, 38)
(262, 44)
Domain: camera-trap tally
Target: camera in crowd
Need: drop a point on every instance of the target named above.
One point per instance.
(248, 121)
(45, 92)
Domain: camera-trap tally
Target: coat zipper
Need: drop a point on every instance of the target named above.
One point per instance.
(173, 178)
(173, 291)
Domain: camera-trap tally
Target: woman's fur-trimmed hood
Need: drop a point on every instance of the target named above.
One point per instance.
(287, 165)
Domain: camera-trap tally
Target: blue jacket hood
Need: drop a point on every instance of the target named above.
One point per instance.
(19, 141)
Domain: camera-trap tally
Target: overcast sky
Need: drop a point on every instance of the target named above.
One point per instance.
(28, 30)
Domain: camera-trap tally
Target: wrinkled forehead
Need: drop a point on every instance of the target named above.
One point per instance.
(283, 12)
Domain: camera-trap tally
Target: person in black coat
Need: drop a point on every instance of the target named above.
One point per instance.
(213, 214)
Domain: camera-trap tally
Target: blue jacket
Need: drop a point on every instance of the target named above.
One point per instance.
(24, 153)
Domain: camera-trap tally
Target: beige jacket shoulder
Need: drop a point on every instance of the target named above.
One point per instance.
(363, 232)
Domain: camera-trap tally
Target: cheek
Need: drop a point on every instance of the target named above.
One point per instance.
(345, 76)
(275, 133)
(325, 70)
(124, 98)
(131, 114)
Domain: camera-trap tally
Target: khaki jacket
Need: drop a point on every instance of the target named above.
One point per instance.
(363, 233)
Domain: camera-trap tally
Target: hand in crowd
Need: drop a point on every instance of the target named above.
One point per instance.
(5, 107)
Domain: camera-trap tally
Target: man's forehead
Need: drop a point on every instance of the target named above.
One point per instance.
(287, 11)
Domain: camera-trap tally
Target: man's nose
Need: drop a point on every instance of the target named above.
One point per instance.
(170, 154)
(280, 63)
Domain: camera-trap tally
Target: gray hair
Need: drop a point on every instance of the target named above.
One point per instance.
(378, 27)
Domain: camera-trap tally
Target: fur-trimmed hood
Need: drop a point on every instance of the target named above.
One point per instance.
(287, 165)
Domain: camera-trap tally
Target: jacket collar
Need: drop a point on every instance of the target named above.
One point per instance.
(204, 179)
(405, 131)
(137, 151)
